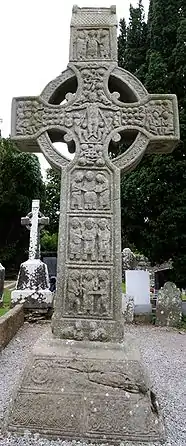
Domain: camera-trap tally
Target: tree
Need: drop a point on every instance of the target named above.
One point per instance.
(132, 42)
(154, 195)
(20, 182)
(52, 204)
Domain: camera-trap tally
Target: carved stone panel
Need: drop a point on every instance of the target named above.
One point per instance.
(88, 293)
(89, 239)
(90, 190)
(91, 44)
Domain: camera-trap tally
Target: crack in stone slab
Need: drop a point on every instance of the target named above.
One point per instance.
(102, 378)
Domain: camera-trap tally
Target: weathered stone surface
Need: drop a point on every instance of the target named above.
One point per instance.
(128, 308)
(169, 306)
(102, 385)
(32, 288)
(128, 259)
(2, 279)
(98, 389)
(10, 324)
(102, 102)
(34, 222)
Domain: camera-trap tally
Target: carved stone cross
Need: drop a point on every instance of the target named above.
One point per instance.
(34, 221)
(104, 103)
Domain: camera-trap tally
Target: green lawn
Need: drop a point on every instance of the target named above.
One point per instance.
(6, 301)
(123, 287)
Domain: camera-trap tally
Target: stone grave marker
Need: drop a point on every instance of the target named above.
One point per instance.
(169, 306)
(138, 286)
(99, 389)
(32, 287)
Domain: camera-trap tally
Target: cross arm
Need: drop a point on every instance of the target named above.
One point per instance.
(32, 116)
(25, 221)
(43, 221)
(157, 121)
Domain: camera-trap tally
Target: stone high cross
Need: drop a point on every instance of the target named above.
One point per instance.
(34, 221)
(104, 103)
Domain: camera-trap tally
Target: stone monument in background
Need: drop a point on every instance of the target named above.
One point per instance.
(99, 390)
(32, 287)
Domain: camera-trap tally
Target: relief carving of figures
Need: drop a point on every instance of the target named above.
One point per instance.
(75, 239)
(90, 197)
(102, 189)
(103, 285)
(93, 86)
(89, 293)
(103, 240)
(76, 191)
(91, 154)
(74, 294)
(92, 44)
(89, 239)
(90, 191)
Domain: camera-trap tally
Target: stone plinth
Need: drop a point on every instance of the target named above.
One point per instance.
(86, 391)
(32, 289)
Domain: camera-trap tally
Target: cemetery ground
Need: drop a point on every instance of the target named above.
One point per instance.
(164, 355)
(6, 301)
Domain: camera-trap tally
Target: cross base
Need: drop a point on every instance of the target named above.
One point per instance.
(32, 289)
(87, 329)
(87, 391)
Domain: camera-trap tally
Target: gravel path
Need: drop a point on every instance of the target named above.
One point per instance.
(164, 354)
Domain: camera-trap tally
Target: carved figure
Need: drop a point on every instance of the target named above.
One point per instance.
(103, 240)
(89, 239)
(90, 197)
(74, 300)
(92, 45)
(77, 124)
(81, 44)
(87, 288)
(76, 191)
(104, 45)
(75, 239)
(102, 303)
(102, 189)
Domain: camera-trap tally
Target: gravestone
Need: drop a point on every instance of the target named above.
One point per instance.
(2, 279)
(32, 287)
(128, 260)
(51, 263)
(138, 286)
(169, 306)
(128, 308)
(85, 381)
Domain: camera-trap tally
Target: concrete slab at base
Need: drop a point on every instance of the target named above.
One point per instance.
(32, 299)
(86, 390)
(143, 309)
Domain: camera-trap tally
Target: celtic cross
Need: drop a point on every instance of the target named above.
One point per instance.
(103, 104)
(34, 222)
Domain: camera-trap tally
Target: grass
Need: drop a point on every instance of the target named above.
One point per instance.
(6, 302)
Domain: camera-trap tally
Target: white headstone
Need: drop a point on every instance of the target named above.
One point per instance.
(138, 286)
